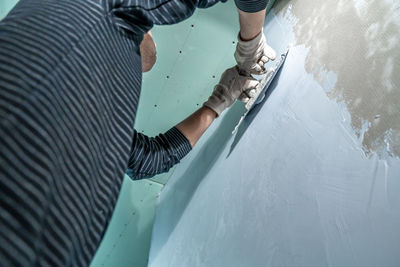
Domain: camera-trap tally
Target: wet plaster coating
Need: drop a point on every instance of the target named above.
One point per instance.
(358, 42)
(312, 177)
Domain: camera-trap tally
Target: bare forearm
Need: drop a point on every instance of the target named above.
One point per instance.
(251, 24)
(196, 124)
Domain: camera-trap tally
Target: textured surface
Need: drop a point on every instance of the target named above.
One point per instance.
(298, 185)
(367, 35)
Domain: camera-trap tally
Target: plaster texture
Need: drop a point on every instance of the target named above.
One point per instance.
(312, 177)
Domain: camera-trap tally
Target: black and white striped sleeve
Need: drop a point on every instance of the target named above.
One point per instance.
(155, 155)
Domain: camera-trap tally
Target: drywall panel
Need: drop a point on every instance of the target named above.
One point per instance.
(127, 240)
(6, 6)
(191, 56)
(312, 178)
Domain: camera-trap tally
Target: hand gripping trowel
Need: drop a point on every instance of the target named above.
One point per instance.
(262, 88)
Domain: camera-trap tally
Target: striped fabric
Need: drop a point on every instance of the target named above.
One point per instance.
(70, 77)
(251, 6)
(151, 156)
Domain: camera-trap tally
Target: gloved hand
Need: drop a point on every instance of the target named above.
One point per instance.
(251, 56)
(230, 87)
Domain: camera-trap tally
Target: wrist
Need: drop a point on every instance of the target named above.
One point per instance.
(213, 107)
(250, 44)
(246, 38)
(251, 23)
(209, 112)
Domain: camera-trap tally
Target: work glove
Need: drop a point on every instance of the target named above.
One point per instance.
(251, 56)
(230, 87)
(249, 94)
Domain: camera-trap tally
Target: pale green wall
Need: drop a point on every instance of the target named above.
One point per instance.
(6, 6)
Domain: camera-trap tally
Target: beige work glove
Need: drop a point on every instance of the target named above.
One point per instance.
(251, 56)
(230, 87)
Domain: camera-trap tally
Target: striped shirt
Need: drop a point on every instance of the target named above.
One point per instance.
(70, 78)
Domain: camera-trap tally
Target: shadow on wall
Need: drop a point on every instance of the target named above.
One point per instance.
(360, 42)
(181, 192)
(253, 113)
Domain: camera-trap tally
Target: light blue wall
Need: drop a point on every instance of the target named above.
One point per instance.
(300, 184)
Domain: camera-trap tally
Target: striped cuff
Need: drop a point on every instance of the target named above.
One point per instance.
(251, 6)
(179, 142)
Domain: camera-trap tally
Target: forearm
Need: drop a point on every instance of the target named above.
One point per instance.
(154, 155)
(251, 24)
(196, 124)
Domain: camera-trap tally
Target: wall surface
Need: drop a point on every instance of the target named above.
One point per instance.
(312, 178)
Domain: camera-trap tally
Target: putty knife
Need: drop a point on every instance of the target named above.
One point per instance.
(262, 88)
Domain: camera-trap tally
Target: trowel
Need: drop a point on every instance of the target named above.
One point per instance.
(262, 88)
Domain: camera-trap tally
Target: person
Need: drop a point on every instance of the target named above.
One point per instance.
(70, 78)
